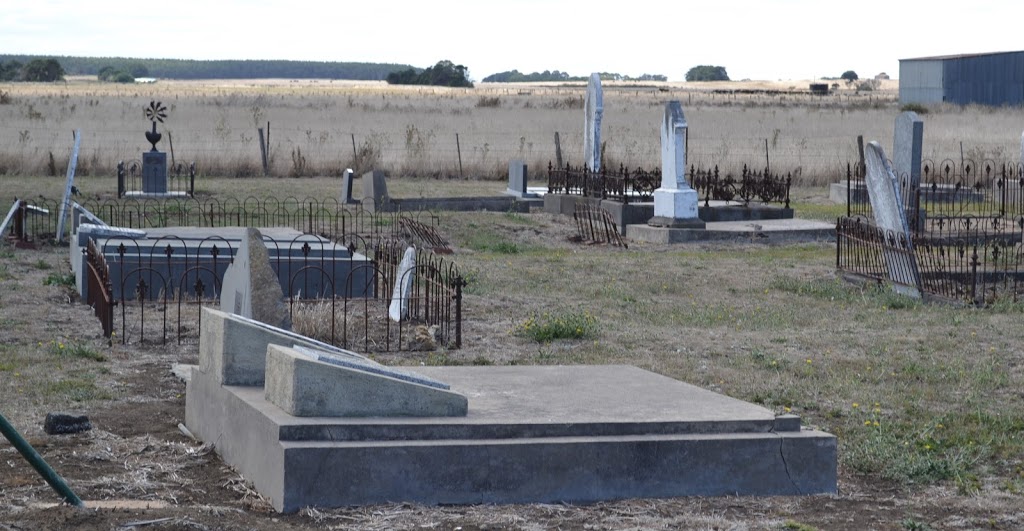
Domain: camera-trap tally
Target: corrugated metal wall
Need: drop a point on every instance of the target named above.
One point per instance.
(996, 79)
(921, 81)
(988, 79)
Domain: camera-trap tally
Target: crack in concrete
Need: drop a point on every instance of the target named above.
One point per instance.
(785, 464)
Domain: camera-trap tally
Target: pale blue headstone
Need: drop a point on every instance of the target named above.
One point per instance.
(907, 145)
(594, 109)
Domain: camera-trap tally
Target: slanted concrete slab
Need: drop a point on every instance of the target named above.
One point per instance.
(532, 434)
(404, 274)
(304, 386)
(233, 349)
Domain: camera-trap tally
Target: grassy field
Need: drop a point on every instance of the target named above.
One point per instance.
(925, 399)
(318, 128)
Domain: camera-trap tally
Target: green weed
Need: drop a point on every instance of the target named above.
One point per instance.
(76, 389)
(563, 325)
(66, 280)
(75, 349)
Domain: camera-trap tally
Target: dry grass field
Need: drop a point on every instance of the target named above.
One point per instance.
(322, 127)
(925, 400)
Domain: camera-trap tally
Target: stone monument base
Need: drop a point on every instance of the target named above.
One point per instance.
(532, 435)
(676, 223)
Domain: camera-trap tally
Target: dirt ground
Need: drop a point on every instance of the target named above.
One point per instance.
(136, 452)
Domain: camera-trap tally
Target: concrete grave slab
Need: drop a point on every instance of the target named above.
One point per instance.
(250, 287)
(531, 434)
(303, 385)
(404, 275)
(593, 108)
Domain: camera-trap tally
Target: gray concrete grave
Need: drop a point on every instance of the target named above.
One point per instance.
(304, 383)
(593, 107)
(250, 286)
(346, 187)
(890, 215)
(154, 172)
(907, 148)
(539, 434)
(404, 274)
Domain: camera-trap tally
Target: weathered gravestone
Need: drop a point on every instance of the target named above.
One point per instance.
(890, 216)
(399, 308)
(251, 288)
(675, 202)
(154, 162)
(594, 108)
(375, 191)
(346, 187)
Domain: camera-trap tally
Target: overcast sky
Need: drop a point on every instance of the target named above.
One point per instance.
(766, 39)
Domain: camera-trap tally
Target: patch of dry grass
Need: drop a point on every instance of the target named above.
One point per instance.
(412, 130)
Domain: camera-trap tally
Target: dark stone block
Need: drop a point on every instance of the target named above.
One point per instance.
(63, 423)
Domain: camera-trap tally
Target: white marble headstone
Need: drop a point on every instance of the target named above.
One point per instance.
(675, 199)
(887, 207)
(399, 308)
(594, 108)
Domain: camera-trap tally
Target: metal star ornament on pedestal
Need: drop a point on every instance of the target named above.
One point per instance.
(156, 112)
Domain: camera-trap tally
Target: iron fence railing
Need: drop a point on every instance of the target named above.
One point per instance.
(976, 263)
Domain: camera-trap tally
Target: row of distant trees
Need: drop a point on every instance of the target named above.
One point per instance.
(34, 70)
(515, 76)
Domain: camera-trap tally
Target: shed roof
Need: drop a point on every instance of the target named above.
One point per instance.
(957, 56)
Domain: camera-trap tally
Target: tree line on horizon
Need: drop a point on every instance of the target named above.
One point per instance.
(215, 69)
(515, 76)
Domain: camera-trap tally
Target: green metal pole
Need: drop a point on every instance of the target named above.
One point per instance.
(38, 463)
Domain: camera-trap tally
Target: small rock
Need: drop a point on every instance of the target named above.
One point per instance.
(63, 423)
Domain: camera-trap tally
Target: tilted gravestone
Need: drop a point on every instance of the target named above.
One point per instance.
(594, 109)
(399, 308)
(890, 216)
(251, 288)
(675, 202)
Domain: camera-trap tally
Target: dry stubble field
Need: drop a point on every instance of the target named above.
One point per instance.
(925, 400)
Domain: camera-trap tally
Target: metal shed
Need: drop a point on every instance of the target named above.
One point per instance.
(984, 78)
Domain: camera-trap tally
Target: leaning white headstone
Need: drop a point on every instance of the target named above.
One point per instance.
(594, 108)
(10, 216)
(890, 216)
(72, 164)
(399, 308)
(675, 202)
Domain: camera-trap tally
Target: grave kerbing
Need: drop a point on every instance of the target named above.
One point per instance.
(594, 109)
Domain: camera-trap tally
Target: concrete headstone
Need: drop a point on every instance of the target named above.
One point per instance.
(399, 308)
(251, 287)
(675, 202)
(594, 109)
(10, 216)
(375, 188)
(887, 207)
(517, 178)
(907, 146)
(154, 172)
(346, 186)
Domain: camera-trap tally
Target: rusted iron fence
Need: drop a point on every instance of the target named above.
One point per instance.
(181, 178)
(343, 299)
(329, 217)
(636, 186)
(750, 186)
(965, 261)
(98, 288)
(595, 225)
(949, 190)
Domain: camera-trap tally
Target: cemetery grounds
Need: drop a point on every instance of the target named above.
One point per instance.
(925, 399)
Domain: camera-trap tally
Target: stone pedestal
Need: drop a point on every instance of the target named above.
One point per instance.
(676, 208)
(154, 172)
